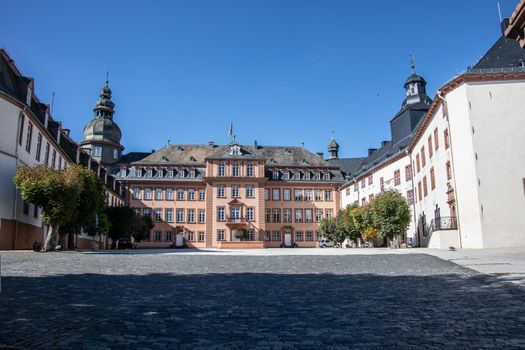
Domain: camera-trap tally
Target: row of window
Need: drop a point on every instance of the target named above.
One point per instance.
(419, 163)
(160, 193)
(299, 236)
(181, 215)
(160, 173)
(167, 236)
(433, 145)
(50, 156)
(276, 236)
(298, 194)
(235, 170)
(300, 175)
(301, 215)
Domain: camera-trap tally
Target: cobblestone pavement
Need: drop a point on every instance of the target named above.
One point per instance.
(183, 301)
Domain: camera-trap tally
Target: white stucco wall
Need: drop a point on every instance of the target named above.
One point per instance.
(464, 168)
(497, 116)
(436, 197)
(9, 115)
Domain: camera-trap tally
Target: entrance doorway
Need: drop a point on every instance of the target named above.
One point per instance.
(287, 238)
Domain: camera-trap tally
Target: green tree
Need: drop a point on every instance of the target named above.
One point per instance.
(391, 214)
(69, 198)
(351, 230)
(328, 228)
(142, 227)
(123, 222)
(364, 221)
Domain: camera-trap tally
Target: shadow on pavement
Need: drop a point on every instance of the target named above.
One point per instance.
(246, 310)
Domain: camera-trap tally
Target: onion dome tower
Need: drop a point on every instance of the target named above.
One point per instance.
(102, 135)
(333, 148)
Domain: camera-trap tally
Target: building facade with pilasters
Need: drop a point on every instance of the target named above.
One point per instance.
(233, 195)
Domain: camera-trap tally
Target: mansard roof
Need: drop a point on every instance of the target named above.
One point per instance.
(279, 156)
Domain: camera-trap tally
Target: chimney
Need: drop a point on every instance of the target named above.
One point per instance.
(383, 143)
(211, 144)
(504, 24)
(371, 150)
(255, 144)
(320, 154)
(66, 131)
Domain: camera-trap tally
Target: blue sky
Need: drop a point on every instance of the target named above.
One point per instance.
(284, 70)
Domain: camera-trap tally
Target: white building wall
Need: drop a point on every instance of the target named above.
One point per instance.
(8, 148)
(436, 197)
(464, 168)
(497, 116)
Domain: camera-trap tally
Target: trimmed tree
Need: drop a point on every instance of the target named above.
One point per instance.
(391, 214)
(69, 198)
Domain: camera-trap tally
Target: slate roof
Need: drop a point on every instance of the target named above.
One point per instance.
(505, 53)
(348, 166)
(279, 156)
(133, 157)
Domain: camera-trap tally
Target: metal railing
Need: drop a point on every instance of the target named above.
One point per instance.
(444, 223)
(230, 220)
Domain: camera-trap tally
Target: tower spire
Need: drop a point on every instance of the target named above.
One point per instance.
(413, 63)
(333, 147)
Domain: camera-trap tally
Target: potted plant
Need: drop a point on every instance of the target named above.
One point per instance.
(239, 234)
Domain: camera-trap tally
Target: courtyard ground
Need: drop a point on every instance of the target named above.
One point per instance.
(280, 298)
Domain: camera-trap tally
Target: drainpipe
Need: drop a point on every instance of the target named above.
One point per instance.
(453, 167)
(15, 206)
(413, 196)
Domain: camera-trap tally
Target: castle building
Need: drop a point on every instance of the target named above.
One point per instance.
(458, 159)
(31, 136)
(205, 195)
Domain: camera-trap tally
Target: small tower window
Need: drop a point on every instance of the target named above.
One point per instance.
(115, 153)
(97, 151)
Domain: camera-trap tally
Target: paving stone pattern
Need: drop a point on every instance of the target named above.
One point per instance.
(147, 300)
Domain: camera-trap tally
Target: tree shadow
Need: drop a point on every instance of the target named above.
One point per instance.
(247, 310)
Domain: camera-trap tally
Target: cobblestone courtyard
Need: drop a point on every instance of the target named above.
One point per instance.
(149, 300)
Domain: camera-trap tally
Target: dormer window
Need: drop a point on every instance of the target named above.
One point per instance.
(326, 176)
(182, 173)
(235, 150)
(307, 175)
(149, 173)
(170, 173)
(296, 175)
(29, 96)
(275, 174)
(164, 158)
(191, 173)
(123, 172)
(286, 175)
(160, 173)
(192, 159)
(138, 172)
(317, 176)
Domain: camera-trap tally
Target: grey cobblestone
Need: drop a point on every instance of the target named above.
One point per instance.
(150, 300)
